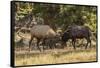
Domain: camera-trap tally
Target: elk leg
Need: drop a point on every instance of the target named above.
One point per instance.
(63, 44)
(73, 43)
(38, 41)
(50, 45)
(87, 44)
(30, 42)
(88, 41)
(55, 45)
(43, 43)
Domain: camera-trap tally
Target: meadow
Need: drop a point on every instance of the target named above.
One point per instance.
(55, 56)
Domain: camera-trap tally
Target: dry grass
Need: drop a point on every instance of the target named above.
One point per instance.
(55, 56)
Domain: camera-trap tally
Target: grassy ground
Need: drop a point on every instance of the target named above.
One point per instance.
(67, 55)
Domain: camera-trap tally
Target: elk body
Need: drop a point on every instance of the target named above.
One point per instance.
(41, 32)
(76, 32)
